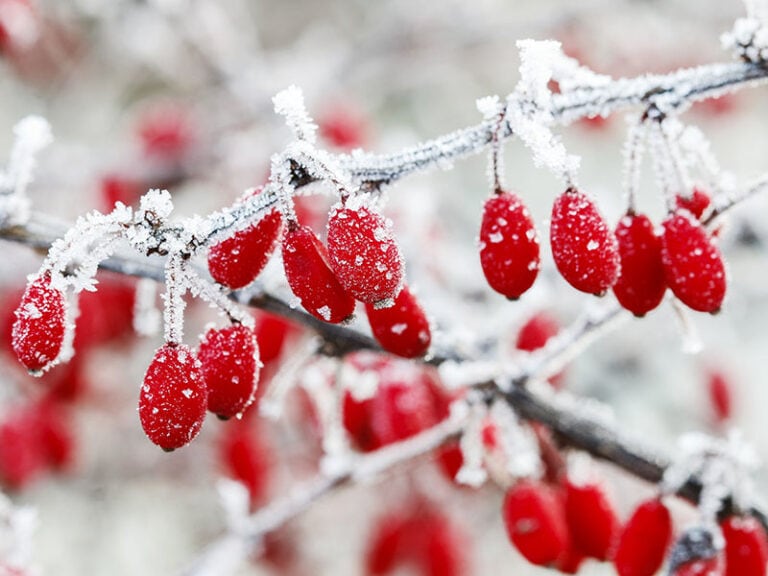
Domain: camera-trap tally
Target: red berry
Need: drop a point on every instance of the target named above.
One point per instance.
(114, 188)
(403, 328)
(236, 261)
(693, 265)
(696, 203)
(442, 552)
(387, 545)
(271, 333)
(230, 365)
(55, 435)
(246, 458)
(165, 132)
(364, 254)
(22, 458)
(644, 541)
(343, 127)
(641, 284)
(535, 334)
(311, 279)
(509, 245)
(173, 397)
(38, 333)
(720, 396)
(592, 521)
(584, 248)
(746, 549)
(535, 522)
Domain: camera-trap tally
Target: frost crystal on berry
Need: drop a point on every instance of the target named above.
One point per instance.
(403, 328)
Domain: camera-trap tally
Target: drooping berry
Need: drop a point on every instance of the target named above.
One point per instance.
(230, 365)
(535, 522)
(697, 552)
(641, 284)
(40, 326)
(696, 203)
(693, 265)
(746, 548)
(720, 395)
(173, 397)
(509, 245)
(311, 278)
(272, 331)
(364, 254)
(592, 520)
(644, 541)
(403, 328)
(236, 261)
(245, 457)
(583, 246)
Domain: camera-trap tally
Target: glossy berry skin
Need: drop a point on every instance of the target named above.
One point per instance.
(509, 245)
(584, 248)
(173, 397)
(230, 364)
(693, 265)
(746, 549)
(237, 261)
(364, 254)
(644, 541)
(696, 203)
(535, 522)
(38, 332)
(403, 328)
(641, 283)
(592, 520)
(311, 278)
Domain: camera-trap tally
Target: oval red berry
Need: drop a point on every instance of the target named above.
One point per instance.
(746, 549)
(509, 245)
(696, 203)
(592, 521)
(645, 540)
(403, 328)
(173, 397)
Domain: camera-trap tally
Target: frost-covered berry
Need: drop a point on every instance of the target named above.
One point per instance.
(583, 246)
(364, 254)
(509, 245)
(403, 328)
(693, 265)
(641, 284)
(535, 522)
(746, 549)
(644, 541)
(40, 326)
(311, 278)
(173, 397)
(236, 261)
(230, 364)
(592, 520)
(696, 203)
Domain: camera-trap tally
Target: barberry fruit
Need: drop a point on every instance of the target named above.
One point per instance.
(693, 265)
(311, 278)
(535, 334)
(246, 457)
(509, 245)
(230, 364)
(592, 520)
(271, 333)
(165, 131)
(38, 332)
(583, 246)
(387, 546)
(641, 283)
(364, 254)
(746, 549)
(720, 396)
(403, 328)
(644, 541)
(696, 203)
(173, 397)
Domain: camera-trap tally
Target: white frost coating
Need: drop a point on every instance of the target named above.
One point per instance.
(290, 104)
(489, 106)
(362, 384)
(173, 299)
(472, 471)
(216, 296)
(518, 443)
(748, 39)
(17, 528)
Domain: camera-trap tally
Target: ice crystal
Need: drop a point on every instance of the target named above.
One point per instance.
(472, 471)
(518, 443)
(290, 104)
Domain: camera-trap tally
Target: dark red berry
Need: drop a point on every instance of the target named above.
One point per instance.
(230, 363)
(38, 332)
(693, 265)
(583, 246)
(644, 541)
(364, 254)
(403, 328)
(509, 245)
(535, 522)
(746, 548)
(311, 278)
(173, 397)
(592, 520)
(696, 203)
(641, 284)
(720, 395)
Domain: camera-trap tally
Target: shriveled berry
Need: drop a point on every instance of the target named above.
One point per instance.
(311, 278)
(693, 265)
(696, 203)
(40, 326)
(644, 541)
(403, 328)
(746, 549)
(364, 254)
(641, 284)
(230, 364)
(535, 522)
(173, 397)
(583, 246)
(509, 245)
(720, 395)
(236, 261)
(592, 520)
